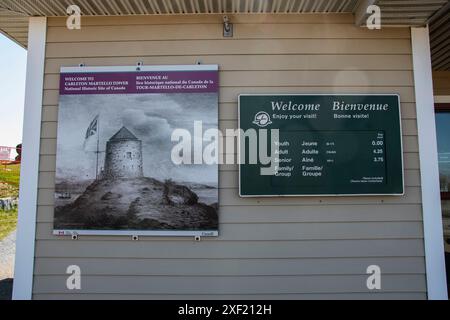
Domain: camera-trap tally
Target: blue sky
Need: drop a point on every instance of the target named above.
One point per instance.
(12, 89)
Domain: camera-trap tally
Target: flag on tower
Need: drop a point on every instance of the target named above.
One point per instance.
(93, 128)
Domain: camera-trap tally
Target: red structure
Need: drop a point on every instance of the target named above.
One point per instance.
(6, 155)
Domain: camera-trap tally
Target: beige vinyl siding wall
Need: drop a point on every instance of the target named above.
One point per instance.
(268, 248)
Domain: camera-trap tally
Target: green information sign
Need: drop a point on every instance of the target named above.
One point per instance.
(327, 145)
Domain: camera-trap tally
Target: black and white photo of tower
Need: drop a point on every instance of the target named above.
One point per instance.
(123, 157)
(115, 170)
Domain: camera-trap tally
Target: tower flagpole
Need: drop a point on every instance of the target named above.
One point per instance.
(98, 146)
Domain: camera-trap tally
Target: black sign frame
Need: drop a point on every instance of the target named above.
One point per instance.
(397, 190)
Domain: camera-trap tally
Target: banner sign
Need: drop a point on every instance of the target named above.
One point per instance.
(327, 145)
(114, 171)
(10, 156)
(5, 153)
(141, 82)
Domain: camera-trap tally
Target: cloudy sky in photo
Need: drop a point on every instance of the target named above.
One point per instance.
(151, 117)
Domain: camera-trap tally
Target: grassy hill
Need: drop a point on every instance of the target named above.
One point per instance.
(9, 187)
(8, 223)
(9, 181)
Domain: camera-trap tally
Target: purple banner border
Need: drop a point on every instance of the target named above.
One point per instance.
(139, 82)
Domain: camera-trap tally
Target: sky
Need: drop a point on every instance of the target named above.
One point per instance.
(12, 91)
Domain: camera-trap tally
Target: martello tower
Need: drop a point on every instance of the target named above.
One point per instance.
(123, 156)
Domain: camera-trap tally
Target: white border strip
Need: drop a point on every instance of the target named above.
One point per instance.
(143, 233)
(25, 245)
(323, 195)
(429, 170)
(149, 233)
(441, 99)
(169, 68)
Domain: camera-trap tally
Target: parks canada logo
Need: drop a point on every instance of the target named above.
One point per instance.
(262, 119)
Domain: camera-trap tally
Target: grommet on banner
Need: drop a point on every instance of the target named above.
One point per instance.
(198, 62)
(197, 238)
(74, 236)
(139, 65)
(81, 65)
(135, 238)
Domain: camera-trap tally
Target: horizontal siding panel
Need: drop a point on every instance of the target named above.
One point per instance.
(215, 32)
(227, 111)
(49, 113)
(49, 129)
(231, 197)
(411, 161)
(47, 163)
(295, 214)
(202, 47)
(306, 296)
(209, 19)
(227, 179)
(412, 178)
(296, 78)
(410, 144)
(188, 249)
(228, 285)
(409, 127)
(251, 62)
(48, 145)
(229, 267)
(230, 94)
(282, 232)
(230, 180)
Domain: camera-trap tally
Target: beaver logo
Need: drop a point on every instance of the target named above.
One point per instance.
(262, 119)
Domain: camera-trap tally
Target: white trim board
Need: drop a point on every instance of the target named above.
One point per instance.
(140, 233)
(429, 170)
(25, 245)
(441, 99)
